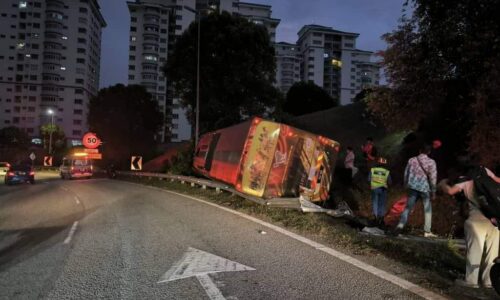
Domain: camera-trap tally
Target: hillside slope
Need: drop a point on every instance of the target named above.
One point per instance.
(345, 124)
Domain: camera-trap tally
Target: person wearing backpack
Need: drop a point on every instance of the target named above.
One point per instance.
(420, 178)
(481, 232)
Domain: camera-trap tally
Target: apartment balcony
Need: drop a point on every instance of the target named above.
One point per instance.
(51, 78)
(151, 44)
(52, 46)
(54, 16)
(55, 4)
(55, 37)
(151, 37)
(54, 26)
(51, 68)
(52, 57)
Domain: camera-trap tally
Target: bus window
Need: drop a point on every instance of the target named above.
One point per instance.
(211, 151)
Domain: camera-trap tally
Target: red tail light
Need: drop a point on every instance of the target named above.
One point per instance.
(10, 174)
(32, 173)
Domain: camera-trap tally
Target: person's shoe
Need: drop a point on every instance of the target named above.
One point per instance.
(463, 283)
(430, 235)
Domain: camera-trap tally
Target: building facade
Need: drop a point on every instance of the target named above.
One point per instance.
(154, 25)
(49, 60)
(288, 62)
(330, 59)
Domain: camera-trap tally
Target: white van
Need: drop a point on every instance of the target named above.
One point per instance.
(76, 167)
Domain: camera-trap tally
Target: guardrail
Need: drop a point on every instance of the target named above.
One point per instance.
(293, 203)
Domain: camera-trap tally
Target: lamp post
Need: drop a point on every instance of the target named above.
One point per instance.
(197, 130)
(51, 114)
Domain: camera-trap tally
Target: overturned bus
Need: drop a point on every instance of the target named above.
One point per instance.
(269, 160)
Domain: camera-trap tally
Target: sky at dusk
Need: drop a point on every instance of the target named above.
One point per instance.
(369, 18)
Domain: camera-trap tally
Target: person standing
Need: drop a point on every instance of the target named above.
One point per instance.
(481, 236)
(349, 162)
(379, 178)
(369, 151)
(420, 178)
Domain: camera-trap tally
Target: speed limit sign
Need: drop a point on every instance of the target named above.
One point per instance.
(91, 141)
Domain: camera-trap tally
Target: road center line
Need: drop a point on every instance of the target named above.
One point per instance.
(71, 233)
(405, 284)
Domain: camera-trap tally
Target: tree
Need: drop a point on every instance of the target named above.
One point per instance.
(442, 66)
(237, 70)
(14, 137)
(127, 119)
(306, 97)
(58, 137)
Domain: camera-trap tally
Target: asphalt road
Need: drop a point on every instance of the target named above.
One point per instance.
(95, 239)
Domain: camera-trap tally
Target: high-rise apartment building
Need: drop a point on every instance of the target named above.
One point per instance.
(331, 60)
(49, 59)
(288, 62)
(154, 25)
(259, 14)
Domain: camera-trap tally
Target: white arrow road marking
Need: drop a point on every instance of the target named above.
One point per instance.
(71, 232)
(210, 288)
(197, 263)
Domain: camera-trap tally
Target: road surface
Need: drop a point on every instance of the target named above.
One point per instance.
(95, 239)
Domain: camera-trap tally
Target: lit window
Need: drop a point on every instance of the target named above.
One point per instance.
(28, 55)
(337, 63)
(64, 37)
(133, 38)
(63, 68)
(151, 57)
(325, 55)
(23, 4)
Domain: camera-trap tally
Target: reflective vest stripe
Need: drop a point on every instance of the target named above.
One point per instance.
(379, 178)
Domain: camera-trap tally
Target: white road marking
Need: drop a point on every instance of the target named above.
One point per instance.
(71, 233)
(210, 288)
(199, 264)
(64, 189)
(405, 284)
(77, 200)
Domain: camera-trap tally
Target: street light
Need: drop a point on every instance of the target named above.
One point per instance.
(51, 114)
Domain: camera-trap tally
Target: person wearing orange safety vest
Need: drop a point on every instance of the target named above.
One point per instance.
(379, 178)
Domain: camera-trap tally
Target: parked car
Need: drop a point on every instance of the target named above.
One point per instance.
(76, 167)
(19, 174)
(4, 167)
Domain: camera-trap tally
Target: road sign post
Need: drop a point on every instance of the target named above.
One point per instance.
(32, 157)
